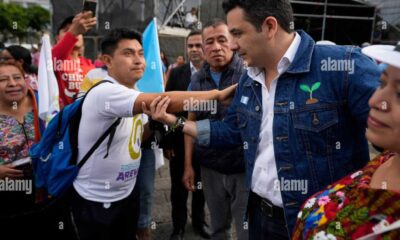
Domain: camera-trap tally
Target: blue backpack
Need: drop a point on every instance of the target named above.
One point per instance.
(54, 157)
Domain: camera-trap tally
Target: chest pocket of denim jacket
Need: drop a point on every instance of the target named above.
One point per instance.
(315, 128)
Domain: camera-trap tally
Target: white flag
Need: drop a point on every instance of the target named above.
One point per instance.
(47, 83)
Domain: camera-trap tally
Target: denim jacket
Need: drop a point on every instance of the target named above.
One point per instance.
(320, 117)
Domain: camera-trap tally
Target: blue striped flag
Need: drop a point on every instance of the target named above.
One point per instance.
(152, 80)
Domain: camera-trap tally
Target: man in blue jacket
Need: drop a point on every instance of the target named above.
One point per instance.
(300, 113)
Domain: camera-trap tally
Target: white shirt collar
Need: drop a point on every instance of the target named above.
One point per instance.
(283, 64)
(109, 78)
(193, 69)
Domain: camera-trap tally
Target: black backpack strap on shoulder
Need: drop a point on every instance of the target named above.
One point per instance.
(110, 131)
(97, 84)
(99, 141)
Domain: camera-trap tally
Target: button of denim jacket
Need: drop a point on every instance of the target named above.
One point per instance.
(257, 108)
(315, 120)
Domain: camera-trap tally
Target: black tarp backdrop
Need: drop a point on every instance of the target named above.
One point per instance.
(348, 22)
(133, 14)
(110, 13)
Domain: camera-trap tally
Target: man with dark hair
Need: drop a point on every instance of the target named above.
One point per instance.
(256, 11)
(179, 80)
(105, 200)
(69, 66)
(222, 172)
(299, 112)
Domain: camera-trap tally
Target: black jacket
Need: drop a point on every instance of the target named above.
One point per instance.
(227, 161)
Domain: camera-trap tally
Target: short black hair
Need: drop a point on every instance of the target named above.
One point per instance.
(18, 53)
(214, 23)
(256, 11)
(65, 23)
(110, 42)
(193, 33)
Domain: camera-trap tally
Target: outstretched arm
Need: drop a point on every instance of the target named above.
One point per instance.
(158, 111)
(179, 98)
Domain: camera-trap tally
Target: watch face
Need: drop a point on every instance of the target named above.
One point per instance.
(181, 123)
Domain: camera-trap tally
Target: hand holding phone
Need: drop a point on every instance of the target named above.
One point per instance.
(82, 23)
(90, 5)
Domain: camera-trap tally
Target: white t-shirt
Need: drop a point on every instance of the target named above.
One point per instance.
(190, 18)
(113, 178)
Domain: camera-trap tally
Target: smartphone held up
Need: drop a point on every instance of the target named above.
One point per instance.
(90, 5)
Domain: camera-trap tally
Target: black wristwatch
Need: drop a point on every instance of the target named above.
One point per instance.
(180, 123)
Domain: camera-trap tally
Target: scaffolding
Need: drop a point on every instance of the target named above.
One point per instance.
(341, 21)
(323, 19)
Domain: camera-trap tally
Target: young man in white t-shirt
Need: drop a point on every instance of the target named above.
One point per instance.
(105, 201)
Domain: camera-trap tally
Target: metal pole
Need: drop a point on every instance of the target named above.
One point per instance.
(143, 9)
(373, 27)
(155, 7)
(173, 13)
(333, 16)
(324, 20)
(166, 11)
(198, 10)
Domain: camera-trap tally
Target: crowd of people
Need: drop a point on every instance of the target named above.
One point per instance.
(257, 124)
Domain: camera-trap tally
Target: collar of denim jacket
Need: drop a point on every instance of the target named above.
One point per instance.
(283, 64)
(302, 60)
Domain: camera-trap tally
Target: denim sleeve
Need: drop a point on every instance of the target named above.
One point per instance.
(221, 134)
(203, 132)
(361, 85)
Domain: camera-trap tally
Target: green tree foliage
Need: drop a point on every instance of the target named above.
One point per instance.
(38, 17)
(15, 20)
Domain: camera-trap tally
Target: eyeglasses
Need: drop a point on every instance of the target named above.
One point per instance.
(197, 45)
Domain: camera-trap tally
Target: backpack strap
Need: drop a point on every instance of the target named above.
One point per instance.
(110, 131)
(99, 141)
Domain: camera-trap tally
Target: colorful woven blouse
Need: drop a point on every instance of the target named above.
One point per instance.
(16, 138)
(349, 208)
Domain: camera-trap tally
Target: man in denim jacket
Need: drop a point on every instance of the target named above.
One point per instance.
(300, 113)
